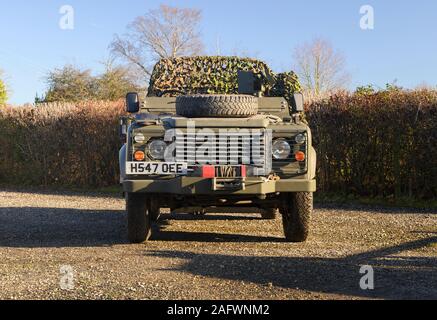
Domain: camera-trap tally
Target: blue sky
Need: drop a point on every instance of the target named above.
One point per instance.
(402, 46)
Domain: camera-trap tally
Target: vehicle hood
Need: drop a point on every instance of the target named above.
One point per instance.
(258, 121)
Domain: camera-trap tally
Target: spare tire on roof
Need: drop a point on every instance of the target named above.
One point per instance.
(217, 106)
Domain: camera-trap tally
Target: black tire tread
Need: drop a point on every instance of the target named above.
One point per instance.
(139, 221)
(296, 213)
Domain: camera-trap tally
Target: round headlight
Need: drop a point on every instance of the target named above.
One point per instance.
(140, 138)
(157, 149)
(300, 139)
(281, 150)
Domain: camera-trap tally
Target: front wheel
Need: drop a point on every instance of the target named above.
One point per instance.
(296, 210)
(139, 222)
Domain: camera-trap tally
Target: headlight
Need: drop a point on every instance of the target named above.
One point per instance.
(300, 139)
(281, 150)
(140, 138)
(157, 149)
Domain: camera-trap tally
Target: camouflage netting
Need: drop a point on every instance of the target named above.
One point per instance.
(216, 75)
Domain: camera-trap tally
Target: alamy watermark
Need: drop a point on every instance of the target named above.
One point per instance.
(66, 22)
(206, 146)
(367, 281)
(367, 21)
(66, 281)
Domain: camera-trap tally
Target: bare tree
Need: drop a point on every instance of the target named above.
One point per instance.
(167, 32)
(321, 68)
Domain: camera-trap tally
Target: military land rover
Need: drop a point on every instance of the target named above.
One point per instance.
(218, 132)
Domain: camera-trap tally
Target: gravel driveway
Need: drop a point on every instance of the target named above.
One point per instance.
(219, 256)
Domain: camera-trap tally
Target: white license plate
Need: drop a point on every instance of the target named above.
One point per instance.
(156, 168)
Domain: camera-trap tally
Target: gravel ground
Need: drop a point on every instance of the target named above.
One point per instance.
(219, 256)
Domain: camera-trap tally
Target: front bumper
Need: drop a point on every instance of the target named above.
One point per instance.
(200, 186)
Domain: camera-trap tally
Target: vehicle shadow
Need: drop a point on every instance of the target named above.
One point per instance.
(211, 217)
(30, 227)
(207, 237)
(65, 193)
(160, 232)
(373, 208)
(54, 227)
(396, 277)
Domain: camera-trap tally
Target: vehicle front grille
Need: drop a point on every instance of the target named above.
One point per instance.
(226, 147)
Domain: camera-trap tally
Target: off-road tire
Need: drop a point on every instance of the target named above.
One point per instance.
(216, 106)
(269, 214)
(296, 213)
(139, 222)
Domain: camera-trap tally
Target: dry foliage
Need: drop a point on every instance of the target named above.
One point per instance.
(374, 144)
(379, 144)
(73, 84)
(3, 91)
(60, 144)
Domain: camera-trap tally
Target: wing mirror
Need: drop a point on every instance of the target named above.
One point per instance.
(297, 102)
(132, 102)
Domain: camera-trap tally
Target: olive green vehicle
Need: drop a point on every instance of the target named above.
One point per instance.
(209, 145)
